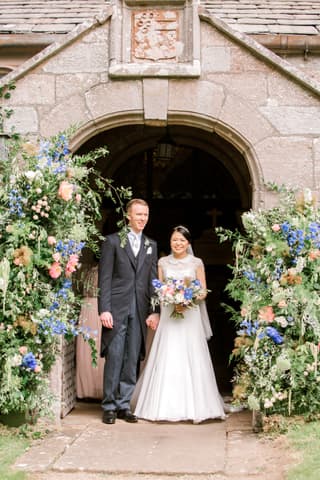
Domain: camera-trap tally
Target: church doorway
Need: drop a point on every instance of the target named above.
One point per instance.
(191, 177)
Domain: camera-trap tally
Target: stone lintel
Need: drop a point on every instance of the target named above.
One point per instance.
(130, 70)
(143, 3)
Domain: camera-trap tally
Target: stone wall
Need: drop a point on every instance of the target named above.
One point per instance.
(258, 102)
(240, 92)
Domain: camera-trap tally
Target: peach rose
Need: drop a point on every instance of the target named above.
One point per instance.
(23, 350)
(314, 255)
(276, 227)
(51, 240)
(65, 191)
(55, 270)
(266, 314)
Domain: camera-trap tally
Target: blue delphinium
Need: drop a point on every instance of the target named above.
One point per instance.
(274, 335)
(29, 361)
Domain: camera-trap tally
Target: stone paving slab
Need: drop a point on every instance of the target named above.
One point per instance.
(140, 448)
(84, 448)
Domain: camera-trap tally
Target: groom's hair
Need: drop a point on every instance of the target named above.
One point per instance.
(138, 201)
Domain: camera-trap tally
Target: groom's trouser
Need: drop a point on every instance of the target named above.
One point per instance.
(121, 360)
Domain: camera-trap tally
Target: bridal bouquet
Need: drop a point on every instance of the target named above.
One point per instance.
(178, 293)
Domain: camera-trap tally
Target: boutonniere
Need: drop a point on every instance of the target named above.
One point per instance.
(147, 246)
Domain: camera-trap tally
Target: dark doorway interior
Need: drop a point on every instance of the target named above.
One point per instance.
(194, 179)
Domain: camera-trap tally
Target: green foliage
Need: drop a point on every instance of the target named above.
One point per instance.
(276, 285)
(50, 204)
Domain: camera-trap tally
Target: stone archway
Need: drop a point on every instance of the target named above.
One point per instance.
(206, 182)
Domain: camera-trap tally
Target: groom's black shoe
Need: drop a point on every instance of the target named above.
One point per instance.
(109, 416)
(127, 415)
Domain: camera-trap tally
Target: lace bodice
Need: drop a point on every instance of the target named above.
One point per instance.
(180, 268)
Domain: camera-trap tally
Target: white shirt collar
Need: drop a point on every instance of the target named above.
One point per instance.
(138, 235)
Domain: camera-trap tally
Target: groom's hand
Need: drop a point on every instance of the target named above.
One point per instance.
(106, 319)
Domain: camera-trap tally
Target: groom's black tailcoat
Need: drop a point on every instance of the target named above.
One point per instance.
(121, 276)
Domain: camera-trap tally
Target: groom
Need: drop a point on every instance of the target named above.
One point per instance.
(125, 290)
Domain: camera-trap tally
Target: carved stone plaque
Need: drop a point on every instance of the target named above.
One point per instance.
(150, 39)
(155, 35)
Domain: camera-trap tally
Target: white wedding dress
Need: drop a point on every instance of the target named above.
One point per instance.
(178, 382)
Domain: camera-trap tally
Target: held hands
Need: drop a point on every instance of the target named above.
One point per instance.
(153, 320)
(106, 319)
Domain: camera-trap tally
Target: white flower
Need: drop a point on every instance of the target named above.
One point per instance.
(282, 321)
(179, 298)
(149, 251)
(30, 175)
(268, 403)
(16, 360)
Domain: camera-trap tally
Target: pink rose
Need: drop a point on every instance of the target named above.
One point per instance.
(51, 240)
(37, 369)
(71, 265)
(65, 191)
(276, 227)
(56, 257)
(23, 350)
(55, 270)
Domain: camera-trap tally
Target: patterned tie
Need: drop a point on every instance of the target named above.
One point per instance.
(134, 244)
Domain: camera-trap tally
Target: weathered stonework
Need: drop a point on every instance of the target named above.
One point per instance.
(154, 40)
(187, 69)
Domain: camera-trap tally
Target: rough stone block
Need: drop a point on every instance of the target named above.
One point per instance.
(250, 86)
(155, 98)
(79, 58)
(34, 90)
(73, 111)
(292, 120)
(216, 59)
(316, 158)
(203, 97)
(281, 89)
(114, 97)
(70, 84)
(243, 118)
(286, 160)
(24, 120)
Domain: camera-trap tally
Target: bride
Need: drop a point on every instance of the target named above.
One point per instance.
(178, 382)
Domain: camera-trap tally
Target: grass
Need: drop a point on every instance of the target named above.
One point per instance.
(11, 446)
(13, 442)
(305, 440)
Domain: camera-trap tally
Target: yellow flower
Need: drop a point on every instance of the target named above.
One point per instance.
(22, 256)
(30, 148)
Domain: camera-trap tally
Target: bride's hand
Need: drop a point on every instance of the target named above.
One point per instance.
(179, 308)
(200, 297)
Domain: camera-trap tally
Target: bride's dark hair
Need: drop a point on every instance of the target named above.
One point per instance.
(184, 231)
